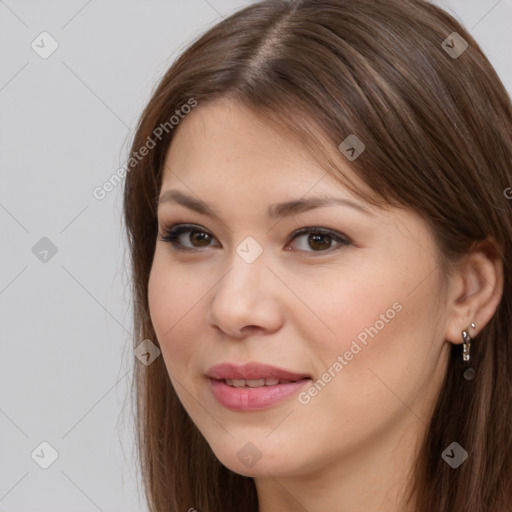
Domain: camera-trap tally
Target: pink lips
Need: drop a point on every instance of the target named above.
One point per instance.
(252, 399)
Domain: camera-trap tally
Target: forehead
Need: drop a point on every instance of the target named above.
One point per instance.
(225, 135)
(224, 142)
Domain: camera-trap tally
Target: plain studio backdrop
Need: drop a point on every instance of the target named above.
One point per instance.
(74, 77)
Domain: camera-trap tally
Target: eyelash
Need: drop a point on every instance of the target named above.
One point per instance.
(172, 234)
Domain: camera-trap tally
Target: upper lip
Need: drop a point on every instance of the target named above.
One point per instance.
(252, 370)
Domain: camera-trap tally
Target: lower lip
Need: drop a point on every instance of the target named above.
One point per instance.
(253, 399)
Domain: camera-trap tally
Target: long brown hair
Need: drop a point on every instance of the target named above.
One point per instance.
(437, 127)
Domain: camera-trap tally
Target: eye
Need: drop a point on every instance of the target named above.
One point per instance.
(319, 239)
(196, 236)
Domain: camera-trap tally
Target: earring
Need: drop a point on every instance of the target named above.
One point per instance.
(466, 345)
(469, 373)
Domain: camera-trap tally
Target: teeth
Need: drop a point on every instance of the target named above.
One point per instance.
(254, 383)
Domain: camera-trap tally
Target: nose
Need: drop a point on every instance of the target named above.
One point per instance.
(245, 300)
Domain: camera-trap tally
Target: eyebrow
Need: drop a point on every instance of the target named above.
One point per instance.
(278, 210)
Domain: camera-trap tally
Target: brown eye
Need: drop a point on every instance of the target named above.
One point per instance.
(202, 238)
(179, 235)
(319, 240)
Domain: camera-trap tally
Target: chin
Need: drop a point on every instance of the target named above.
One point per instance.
(256, 459)
(261, 469)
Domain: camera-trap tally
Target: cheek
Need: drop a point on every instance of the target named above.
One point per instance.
(373, 321)
(174, 307)
(384, 335)
(351, 307)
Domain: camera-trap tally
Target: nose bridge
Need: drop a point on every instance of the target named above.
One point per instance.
(243, 296)
(247, 266)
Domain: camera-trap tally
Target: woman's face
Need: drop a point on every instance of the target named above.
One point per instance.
(355, 312)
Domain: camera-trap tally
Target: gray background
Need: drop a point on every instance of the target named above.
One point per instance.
(65, 125)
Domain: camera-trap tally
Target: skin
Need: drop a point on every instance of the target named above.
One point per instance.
(299, 307)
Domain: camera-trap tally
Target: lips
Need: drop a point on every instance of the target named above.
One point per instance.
(253, 371)
(253, 386)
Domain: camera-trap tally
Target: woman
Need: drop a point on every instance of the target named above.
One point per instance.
(320, 237)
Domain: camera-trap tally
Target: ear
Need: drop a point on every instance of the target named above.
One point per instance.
(475, 291)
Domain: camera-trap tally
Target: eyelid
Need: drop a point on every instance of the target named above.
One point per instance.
(174, 231)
